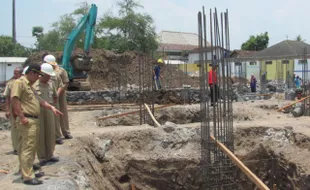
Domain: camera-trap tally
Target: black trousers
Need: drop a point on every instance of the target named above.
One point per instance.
(214, 94)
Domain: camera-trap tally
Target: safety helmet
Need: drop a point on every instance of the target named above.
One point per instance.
(160, 61)
(50, 59)
(25, 69)
(47, 69)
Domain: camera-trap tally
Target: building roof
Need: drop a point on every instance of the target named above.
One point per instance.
(12, 59)
(242, 53)
(284, 49)
(205, 49)
(172, 40)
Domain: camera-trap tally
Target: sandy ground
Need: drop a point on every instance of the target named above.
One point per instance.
(269, 126)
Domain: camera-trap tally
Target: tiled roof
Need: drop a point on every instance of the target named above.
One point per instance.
(242, 53)
(175, 47)
(177, 40)
(286, 48)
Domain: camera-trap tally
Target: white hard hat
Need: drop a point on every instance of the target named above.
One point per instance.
(50, 59)
(47, 69)
(25, 69)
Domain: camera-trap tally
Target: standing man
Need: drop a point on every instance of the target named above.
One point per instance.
(212, 80)
(57, 82)
(157, 75)
(8, 108)
(47, 91)
(26, 110)
(253, 82)
(61, 92)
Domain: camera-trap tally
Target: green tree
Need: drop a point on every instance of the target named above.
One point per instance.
(37, 31)
(130, 30)
(299, 39)
(10, 49)
(256, 43)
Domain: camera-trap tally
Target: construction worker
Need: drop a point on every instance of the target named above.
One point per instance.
(253, 82)
(47, 91)
(64, 120)
(212, 81)
(57, 82)
(8, 111)
(156, 74)
(26, 110)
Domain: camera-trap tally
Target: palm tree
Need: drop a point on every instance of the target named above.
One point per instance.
(299, 39)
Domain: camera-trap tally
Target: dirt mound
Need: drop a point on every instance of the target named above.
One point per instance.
(119, 71)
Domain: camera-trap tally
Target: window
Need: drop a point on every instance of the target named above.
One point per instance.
(253, 63)
(238, 64)
(9, 64)
(301, 61)
(285, 61)
(268, 62)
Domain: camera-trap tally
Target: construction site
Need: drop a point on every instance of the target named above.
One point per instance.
(129, 136)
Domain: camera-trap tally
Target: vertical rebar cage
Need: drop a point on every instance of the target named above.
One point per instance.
(216, 115)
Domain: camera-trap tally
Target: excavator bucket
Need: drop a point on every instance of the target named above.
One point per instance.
(82, 63)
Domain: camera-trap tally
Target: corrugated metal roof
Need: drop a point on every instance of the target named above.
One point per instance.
(12, 59)
(178, 38)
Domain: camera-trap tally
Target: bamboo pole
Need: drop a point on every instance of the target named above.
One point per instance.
(284, 107)
(153, 118)
(132, 112)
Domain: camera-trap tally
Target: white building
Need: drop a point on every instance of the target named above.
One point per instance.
(7, 66)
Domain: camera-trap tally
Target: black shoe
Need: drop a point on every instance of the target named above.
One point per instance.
(68, 137)
(15, 152)
(36, 167)
(60, 141)
(54, 159)
(43, 163)
(33, 182)
(40, 174)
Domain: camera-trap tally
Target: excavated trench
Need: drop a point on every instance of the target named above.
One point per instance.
(168, 158)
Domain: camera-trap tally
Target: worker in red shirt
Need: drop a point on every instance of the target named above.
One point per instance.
(212, 80)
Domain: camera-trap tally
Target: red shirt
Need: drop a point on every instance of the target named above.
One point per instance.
(211, 77)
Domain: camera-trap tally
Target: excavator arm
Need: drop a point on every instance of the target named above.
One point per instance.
(78, 66)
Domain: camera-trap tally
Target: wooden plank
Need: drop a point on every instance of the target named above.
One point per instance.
(289, 105)
(244, 169)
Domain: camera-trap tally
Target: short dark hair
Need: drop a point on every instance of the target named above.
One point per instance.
(35, 68)
(19, 69)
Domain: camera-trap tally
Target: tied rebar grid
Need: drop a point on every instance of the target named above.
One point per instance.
(146, 88)
(218, 171)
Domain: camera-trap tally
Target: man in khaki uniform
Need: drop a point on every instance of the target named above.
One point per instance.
(64, 120)
(47, 91)
(26, 110)
(57, 82)
(8, 111)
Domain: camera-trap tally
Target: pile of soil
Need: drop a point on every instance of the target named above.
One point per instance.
(118, 71)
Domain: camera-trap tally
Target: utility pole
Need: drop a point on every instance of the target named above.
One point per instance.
(13, 23)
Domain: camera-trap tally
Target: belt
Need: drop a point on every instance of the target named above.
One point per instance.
(31, 116)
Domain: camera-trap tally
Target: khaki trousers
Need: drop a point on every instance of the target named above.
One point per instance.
(57, 125)
(64, 120)
(47, 135)
(14, 133)
(28, 146)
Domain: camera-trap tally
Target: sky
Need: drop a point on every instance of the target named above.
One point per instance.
(282, 19)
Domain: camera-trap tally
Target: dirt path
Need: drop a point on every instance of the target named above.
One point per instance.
(67, 174)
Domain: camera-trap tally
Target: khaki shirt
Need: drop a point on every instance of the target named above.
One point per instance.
(63, 74)
(46, 91)
(57, 81)
(21, 89)
(8, 88)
